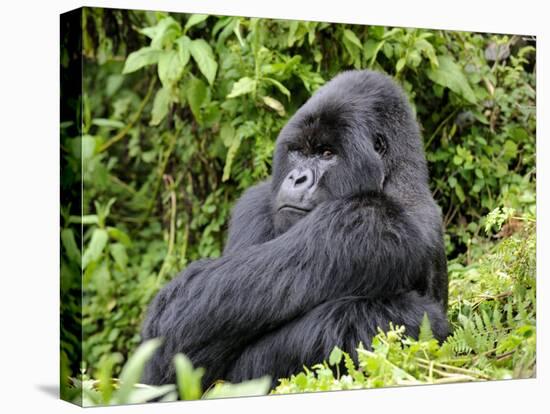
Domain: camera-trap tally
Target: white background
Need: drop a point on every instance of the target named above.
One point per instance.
(29, 207)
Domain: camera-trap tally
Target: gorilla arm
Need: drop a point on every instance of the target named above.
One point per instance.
(252, 219)
(366, 246)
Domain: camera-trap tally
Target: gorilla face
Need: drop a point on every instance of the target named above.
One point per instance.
(304, 187)
(325, 152)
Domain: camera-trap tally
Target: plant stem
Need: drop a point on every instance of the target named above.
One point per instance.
(172, 235)
(134, 119)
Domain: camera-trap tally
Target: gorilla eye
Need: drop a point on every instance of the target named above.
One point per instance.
(327, 153)
(380, 145)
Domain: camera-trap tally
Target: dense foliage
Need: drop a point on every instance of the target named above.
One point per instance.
(492, 311)
(179, 115)
(493, 317)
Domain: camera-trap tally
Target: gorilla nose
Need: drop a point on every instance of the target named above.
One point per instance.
(300, 179)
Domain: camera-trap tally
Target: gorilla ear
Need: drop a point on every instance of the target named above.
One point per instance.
(380, 144)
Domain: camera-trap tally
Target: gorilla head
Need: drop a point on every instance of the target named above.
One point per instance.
(356, 135)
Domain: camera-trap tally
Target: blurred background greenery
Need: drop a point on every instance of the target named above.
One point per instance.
(179, 115)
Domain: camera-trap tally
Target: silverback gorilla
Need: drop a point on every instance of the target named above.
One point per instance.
(344, 238)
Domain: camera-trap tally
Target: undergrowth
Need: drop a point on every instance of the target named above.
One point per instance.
(492, 311)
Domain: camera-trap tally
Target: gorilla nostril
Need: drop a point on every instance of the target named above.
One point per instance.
(301, 180)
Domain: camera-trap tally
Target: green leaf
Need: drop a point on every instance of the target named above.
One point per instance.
(243, 86)
(140, 58)
(183, 44)
(161, 105)
(170, 68)
(169, 397)
(353, 50)
(189, 379)
(147, 393)
(230, 157)
(106, 388)
(227, 134)
(460, 193)
(69, 244)
(211, 114)
(393, 33)
(194, 20)
(400, 64)
(452, 182)
(376, 32)
(113, 335)
(108, 123)
(230, 26)
(301, 380)
(118, 251)
(150, 32)
(95, 247)
(372, 47)
(204, 57)
(426, 333)
(388, 50)
(510, 149)
(259, 386)
(274, 104)
(220, 24)
(293, 28)
(119, 236)
(196, 94)
(167, 30)
(352, 37)
(279, 86)
(335, 356)
(131, 373)
(87, 147)
(518, 133)
(449, 74)
(237, 31)
(100, 275)
(427, 49)
(86, 219)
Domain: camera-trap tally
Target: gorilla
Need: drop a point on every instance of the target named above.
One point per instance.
(344, 238)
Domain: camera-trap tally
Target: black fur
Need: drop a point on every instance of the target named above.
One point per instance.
(287, 289)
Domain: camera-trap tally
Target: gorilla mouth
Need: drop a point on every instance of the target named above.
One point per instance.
(297, 209)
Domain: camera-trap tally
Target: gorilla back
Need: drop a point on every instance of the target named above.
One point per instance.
(344, 238)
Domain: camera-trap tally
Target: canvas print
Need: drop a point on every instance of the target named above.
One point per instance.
(254, 206)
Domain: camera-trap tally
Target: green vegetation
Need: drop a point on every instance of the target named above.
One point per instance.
(493, 316)
(492, 312)
(179, 115)
(126, 390)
